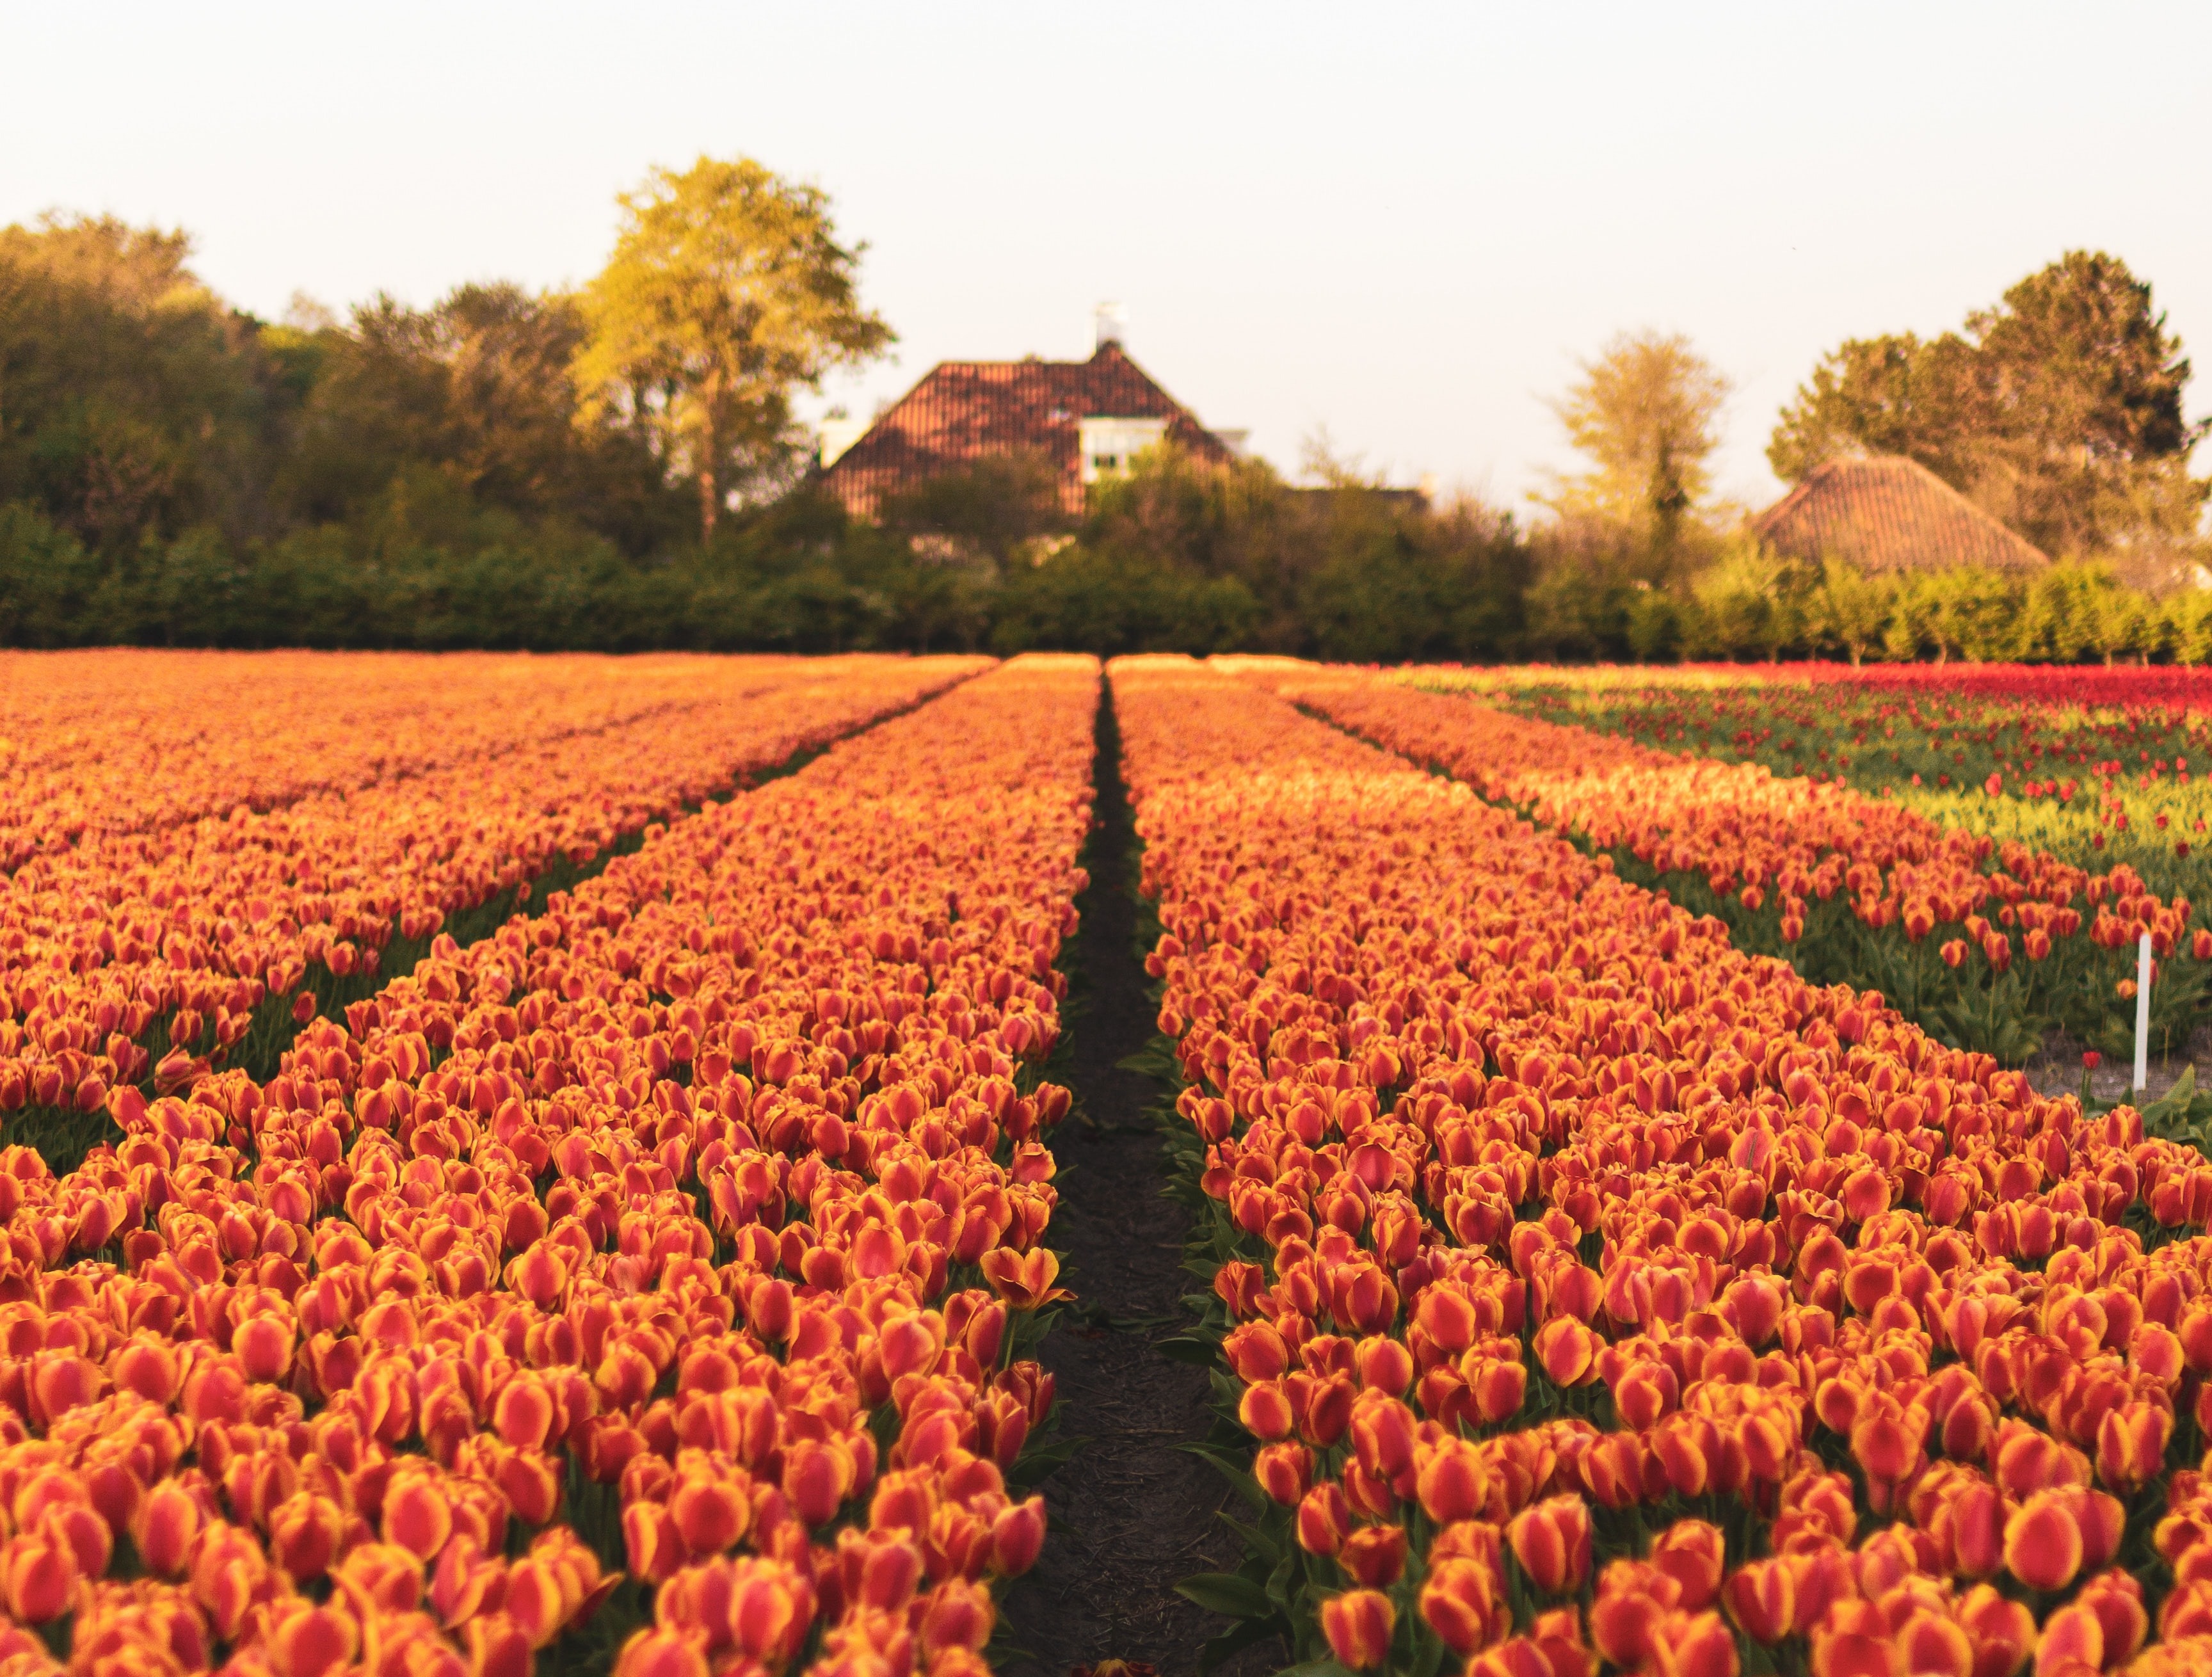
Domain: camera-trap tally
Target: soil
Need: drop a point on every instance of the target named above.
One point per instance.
(2058, 1069)
(1131, 1514)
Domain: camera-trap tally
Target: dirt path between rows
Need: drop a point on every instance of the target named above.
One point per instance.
(1131, 1514)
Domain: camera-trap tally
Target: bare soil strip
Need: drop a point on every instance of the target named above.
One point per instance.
(1132, 1514)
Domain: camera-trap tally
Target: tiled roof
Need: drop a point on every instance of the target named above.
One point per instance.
(966, 408)
(1884, 513)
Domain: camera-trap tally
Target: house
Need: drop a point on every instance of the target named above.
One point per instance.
(1883, 512)
(1088, 418)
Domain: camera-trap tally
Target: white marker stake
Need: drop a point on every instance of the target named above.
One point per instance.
(2142, 1013)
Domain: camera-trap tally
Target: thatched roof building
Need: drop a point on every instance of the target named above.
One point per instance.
(1884, 513)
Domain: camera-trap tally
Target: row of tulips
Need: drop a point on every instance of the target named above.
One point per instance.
(1587, 1290)
(678, 1240)
(145, 959)
(2171, 687)
(1989, 946)
(2093, 780)
(95, 742)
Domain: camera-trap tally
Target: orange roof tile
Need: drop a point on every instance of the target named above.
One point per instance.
(963, 409)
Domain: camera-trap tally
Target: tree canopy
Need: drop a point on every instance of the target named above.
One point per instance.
(2060, 410)
(727, 291)
(1643, 413)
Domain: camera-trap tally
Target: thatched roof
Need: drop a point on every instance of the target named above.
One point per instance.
(1884, 513)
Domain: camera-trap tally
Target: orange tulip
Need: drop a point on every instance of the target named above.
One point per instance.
(1025, 1279)
(1374, 1556)
(1551, 1541)
(1761, 1597)
(2131, 1445)
(662, 1653)
(1358, 1624)
(1459, 1600)
(1694, 1645)
(38, 1578)
(1324, 1520)
(2043, 1545)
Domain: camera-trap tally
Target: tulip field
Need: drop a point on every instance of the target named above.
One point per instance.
(520, 1166)
(1990, 926)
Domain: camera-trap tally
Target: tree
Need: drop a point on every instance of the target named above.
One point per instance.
(476, 386)
(132, 401)
(1643, 413)
(1850, 610)
(1890, 395)
(990, 511)
(2060, 410)
(727, 291)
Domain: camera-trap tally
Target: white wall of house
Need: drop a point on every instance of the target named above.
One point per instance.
(1109, 445)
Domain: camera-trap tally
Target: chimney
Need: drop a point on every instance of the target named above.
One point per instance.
(1110, 323)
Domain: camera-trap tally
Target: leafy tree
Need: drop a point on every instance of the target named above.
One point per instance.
(1643, 413)
(1889, 395)
(1849, 610)
(1966, 612)
(727, 291)
(1749, 601)
(478, 387)
(1086, 600)
(2060, 410)
(132, 400)
(993, 510)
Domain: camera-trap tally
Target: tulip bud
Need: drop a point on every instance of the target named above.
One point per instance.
(305, 1531)
(535, 1600)
(526, 1480)
(2073, 1640)
(2002, 1628)
(1567, 1350)
(1358, 1624)
(312, 1640)
(380, 1577)
(1016, 1536)
(1694, 1645)
(1383, 1364)
(1285, 1471)
(523, 1416)
(1452, 1481)
(2131, 1445)
(1551, 1541)
(1459, 1601)
(263, 1344)
(417, 1515)
(1256, 1352)
(1694, 1555)
(38, 1578)
(957, 1613)
(1374, 1556)
(1265, 1410)
(1324, 1520)
(1761, 1597)
(168, 1520)
(2042, 1542)
(1382, 1433)
(1634, 1598)
(817, 1478)
(497, 1646)
(663, 1653)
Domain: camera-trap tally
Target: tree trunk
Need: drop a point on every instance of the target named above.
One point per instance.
(710, 500)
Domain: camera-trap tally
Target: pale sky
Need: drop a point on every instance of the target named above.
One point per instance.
(1406, 223)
